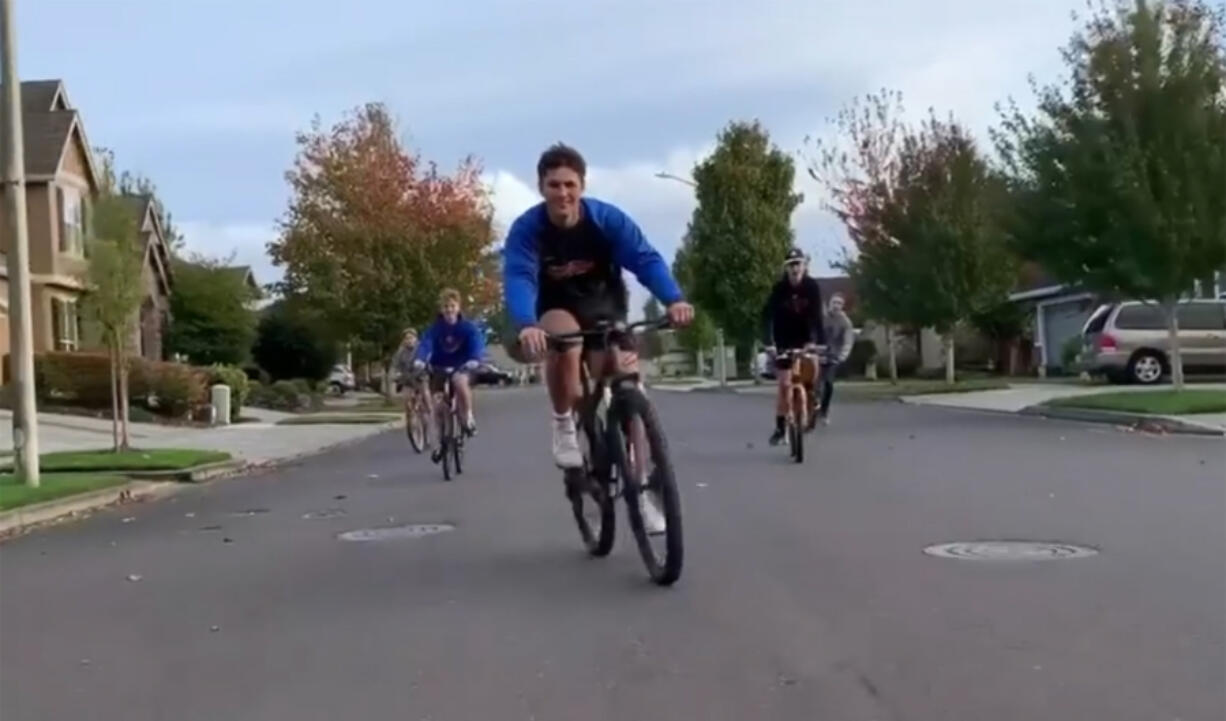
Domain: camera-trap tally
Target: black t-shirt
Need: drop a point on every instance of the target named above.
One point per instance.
(578, 271)
(793, 314)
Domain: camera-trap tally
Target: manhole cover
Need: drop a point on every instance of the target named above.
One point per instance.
(250, 512)
(394, 532)
(326, 513)
(1009, 551)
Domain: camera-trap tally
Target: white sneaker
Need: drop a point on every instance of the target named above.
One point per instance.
(653, 520)
(566, 453)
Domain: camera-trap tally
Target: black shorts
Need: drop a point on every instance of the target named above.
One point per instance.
(438, 378)
(589, 312)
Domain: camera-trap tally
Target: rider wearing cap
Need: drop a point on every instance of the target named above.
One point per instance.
(791, 320)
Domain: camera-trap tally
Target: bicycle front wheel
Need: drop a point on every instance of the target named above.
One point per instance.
(416, 426)
(647, 478)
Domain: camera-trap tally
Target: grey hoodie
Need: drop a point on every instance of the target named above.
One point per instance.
(840, 336)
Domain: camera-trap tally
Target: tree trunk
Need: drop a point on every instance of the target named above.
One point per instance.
(1172, 335)
(124, 443)
(950, 373)
(387, 380)
(114, 396)
(893, 353)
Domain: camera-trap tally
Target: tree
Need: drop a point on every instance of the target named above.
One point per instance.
(116, 290)
(373, 233)
(292, 341)
(130, 183)
(1120, 173)
(741, 229)
(699, 336)
(944, 248)
(857, 164)
(211, 321)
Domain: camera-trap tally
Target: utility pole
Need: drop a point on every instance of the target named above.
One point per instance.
(21, 324)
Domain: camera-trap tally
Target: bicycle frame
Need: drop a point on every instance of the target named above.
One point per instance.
(802, 389)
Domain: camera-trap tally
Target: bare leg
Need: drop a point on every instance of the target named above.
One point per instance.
(463, 395)
(784, 377)
(562, 367)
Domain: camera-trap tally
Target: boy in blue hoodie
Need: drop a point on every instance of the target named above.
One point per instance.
(452, 342)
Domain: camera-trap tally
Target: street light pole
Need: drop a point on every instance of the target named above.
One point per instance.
(21, 324)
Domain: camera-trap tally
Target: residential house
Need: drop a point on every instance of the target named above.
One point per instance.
(61, 182)
(257, 293)
(156, 277)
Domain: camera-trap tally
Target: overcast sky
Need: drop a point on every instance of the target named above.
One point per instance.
(204, 96)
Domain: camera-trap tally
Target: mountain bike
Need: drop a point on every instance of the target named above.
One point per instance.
(802, 406)
(451, 432)
(622, 437)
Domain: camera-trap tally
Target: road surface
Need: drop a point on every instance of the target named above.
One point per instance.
(806, 594)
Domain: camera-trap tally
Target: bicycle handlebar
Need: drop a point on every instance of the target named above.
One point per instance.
(610, 328)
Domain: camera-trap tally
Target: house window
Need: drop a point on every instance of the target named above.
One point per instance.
(72, 222)
(65, 324)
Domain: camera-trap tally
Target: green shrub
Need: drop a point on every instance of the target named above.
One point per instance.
(176, 389)
(278, 396)
(1070, 353)
(236, 379)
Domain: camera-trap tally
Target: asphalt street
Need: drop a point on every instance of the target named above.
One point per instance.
(806, 592)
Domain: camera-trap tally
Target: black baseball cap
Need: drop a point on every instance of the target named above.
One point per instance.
(795, 255)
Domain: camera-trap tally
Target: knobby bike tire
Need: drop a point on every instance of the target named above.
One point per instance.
(796, 430)
(588, 486)
(417, 427)
(457, 445)
(630, 404)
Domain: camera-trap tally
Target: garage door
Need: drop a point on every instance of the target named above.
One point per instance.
(1062, 321)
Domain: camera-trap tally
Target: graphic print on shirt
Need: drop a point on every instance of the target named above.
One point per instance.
(450, 342)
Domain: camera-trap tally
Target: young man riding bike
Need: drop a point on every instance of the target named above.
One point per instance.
(562, 273)
(791, 320)
(402, 369)
(451, 342)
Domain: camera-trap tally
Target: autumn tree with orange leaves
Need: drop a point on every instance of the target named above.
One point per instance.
(373, 232)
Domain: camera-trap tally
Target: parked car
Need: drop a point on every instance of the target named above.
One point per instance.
(489, 374)
(1128, 342)
(341, 380)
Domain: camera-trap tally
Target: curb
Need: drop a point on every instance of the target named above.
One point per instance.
(196, 474)
(19, 519)
(1136, 421)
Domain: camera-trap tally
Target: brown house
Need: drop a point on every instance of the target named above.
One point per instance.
(156, 276)
(61, 182)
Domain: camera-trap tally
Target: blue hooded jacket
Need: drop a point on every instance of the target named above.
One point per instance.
(450, 345)
(626, 246)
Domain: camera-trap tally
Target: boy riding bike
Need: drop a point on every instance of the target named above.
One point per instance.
(451, 343)
(791, 320)
(562, 272)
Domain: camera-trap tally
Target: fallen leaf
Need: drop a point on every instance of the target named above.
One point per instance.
(189, 515)
(340, 497)
(134, 577)
(214, 629)
(129, 519)
(701, 485)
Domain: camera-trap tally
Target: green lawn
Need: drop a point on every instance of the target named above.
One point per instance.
(158, 459)
(53, 485)
(1166, 402)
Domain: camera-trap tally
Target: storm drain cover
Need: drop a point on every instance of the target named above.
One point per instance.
(1009, 551)
(326, 513)
(392, 533)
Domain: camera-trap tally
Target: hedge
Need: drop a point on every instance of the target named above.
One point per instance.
(84, 380)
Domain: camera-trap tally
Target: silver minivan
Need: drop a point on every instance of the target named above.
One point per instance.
(1128, 342)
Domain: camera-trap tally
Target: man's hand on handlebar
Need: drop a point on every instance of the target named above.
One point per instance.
(533, 341)
(680, 314)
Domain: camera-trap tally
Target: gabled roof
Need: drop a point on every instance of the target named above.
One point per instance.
(247, 275)
(48, 123)
(144, 207)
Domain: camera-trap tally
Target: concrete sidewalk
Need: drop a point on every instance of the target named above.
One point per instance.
(1024, 397)
(257, 442)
